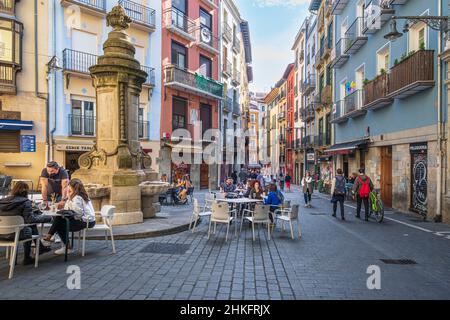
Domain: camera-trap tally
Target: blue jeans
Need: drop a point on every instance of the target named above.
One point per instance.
(307, 196)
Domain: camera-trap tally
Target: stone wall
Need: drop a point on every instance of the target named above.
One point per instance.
(401, 181)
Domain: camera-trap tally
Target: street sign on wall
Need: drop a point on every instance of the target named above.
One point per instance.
(311, 157)
(28, 143)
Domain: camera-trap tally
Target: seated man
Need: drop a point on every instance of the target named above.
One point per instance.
(229, 187)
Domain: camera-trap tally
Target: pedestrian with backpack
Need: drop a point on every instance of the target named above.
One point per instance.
(361, 189)
(338, 193)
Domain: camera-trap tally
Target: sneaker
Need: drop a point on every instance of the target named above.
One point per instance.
(44, 249)
(62, 251)
(56, 239)
(343, 218)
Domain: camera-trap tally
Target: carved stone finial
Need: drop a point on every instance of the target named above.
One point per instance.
(118, 19)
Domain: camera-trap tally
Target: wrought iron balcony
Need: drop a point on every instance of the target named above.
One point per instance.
(8, 78)
(8, 6)
(236, 77)
(308, 141)
(81, 125)
(97, 7)
(338, 6)
(227, 104)
(143, 17)
(376, 92)
(338, 57)
(236, 44)
(309, 84)
(77, 61)
(307, 114)
(236, 108)
(206, 40)
(151, 79)
(177, 22)
(383, 14)
(227, 33)
(227, 69)
(188, 81)
(326, 94)
(320, 20)
(353, 104)
(143, 130)
(355, 36)
(281, 116)
(412, 75)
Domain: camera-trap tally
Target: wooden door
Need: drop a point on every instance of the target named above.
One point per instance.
(386, 176)
(204, 176)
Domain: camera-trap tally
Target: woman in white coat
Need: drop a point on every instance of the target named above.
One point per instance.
(307, 186)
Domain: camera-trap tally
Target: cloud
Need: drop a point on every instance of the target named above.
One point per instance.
(276, 3)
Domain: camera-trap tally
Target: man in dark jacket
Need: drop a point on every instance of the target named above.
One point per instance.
(18, 204)
(359, 181)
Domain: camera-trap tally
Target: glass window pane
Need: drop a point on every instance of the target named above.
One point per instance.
(18, 49)
(6, 48)
(205, 19)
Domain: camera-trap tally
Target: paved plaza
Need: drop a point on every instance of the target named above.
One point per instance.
(330, 261)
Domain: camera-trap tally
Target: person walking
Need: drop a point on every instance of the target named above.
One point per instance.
(338, 193)
(281, 181)
(307, 185)
(361, 189)
(288, 179)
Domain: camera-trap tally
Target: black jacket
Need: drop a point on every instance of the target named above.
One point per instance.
(19, 206)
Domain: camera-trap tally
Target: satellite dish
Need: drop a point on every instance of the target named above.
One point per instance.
(205, 34)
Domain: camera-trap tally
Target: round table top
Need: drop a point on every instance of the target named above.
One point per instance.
(240, 200)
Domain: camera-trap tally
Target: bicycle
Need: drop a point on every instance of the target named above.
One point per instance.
(376, 206)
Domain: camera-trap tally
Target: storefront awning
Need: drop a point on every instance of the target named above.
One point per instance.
(346, 147)
(16, 125)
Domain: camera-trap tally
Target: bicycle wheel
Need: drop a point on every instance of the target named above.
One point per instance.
(379, 214)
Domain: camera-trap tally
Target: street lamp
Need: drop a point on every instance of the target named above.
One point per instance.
(439, 23)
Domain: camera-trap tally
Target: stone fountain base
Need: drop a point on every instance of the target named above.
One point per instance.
(150, 191)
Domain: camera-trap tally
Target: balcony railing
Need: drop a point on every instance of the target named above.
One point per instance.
(376, 92)
(339, 58)
(320, 20)
(355, 37)
(308, 141)
(140, 14)
(7, 79)
(236, 44)
(338, 6)
(236, 77)
(186, 80)
(81, 125)
(8, 6)
(325, 47)
(281, 116)
(309, 84)
(353, 104)
(227, 69)
(80, 62)
(151, 79)
(176, 21)
(77, 61)
(143, 130)
(227, 104)
(414, 74)
(236, 108)
(326, 94)
(227, 33)
(97, 5)
(382, 15)
(206, 40)
(307, 113)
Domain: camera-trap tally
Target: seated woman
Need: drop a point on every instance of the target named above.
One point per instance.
(184, 185)
(274, 199)
(18, 204)
(81, 205)
(256, 192)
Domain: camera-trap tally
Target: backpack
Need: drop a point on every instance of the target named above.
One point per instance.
(364, 190)
(340, 186)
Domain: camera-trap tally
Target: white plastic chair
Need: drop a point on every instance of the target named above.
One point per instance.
(196, 214)
(221, 213)
(259, 215)
(289, 215)
(14, 224)
(107, 214)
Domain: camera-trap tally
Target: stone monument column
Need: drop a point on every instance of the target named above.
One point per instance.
(117, 160)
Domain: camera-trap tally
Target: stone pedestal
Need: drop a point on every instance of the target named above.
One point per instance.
(117, 161)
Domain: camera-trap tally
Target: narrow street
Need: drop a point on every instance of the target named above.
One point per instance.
(329, 262)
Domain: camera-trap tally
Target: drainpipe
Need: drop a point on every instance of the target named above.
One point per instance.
(440, 132)
(220, 104)
(36, 82)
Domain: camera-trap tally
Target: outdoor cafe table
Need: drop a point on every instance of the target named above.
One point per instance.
(239, 201)
(49, 213)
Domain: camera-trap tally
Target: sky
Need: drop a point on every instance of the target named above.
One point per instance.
(273, 27)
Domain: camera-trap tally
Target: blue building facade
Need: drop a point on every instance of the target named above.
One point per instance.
(388, 99)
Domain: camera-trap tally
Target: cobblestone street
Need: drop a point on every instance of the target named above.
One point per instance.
(328, 262)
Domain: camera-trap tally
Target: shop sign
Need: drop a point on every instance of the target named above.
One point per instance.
(27, 143)
(311, 157)
(73, 147)
(418, 147)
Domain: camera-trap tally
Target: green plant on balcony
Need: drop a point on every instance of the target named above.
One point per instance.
(422, 46)
(403, 57)
(382, 71)
(396, 62)
(366, 81)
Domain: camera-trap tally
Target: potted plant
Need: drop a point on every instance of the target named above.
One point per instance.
(396, 62)
(382, 71)
(422, 46)
(366, 81)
